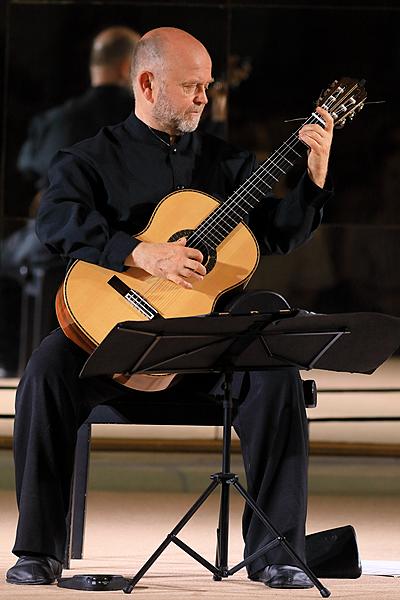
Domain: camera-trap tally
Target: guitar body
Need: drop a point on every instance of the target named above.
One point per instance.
(88, 307)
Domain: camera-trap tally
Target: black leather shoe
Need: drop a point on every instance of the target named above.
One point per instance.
(283, 577)
(34, 570)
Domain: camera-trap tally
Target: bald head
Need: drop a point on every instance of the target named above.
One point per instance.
(160, 49)
(171, 71)
(111, 55)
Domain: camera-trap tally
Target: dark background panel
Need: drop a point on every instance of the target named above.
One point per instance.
(296, 53)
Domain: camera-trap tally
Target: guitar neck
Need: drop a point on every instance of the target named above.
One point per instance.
(219, 224)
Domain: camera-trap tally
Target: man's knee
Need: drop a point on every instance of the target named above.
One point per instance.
(56, 356)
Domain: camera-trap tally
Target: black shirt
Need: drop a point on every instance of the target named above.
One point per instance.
(103, 190)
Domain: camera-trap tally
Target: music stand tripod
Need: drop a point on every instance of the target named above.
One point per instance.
(225, 478)
(226, 345)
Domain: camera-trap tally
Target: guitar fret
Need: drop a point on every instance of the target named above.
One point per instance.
(265, 182)
(239, 216)
(222, 236)
(210, 233)
(284, 157)
(223, 228)
(292, 149)
(277, 166)
(260, 191)
(222, 213)
(270, 174)
(255, 198)
(231, 218)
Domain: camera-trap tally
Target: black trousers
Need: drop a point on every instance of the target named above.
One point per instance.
(52, 402)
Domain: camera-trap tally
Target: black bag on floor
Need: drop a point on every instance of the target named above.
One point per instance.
(333, 553)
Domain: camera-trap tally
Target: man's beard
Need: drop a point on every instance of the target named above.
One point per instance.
(173, 121)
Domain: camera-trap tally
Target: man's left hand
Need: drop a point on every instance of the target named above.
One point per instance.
(319, 140)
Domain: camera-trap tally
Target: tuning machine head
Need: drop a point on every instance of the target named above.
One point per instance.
(343, 98)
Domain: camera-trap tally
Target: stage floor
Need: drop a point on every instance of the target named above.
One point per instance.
(124, 527)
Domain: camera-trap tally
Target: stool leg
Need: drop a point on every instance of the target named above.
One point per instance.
(80, 481)
(67, 551)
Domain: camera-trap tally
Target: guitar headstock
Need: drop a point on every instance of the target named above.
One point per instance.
(343, 99)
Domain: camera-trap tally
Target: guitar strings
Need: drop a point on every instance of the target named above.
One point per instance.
(249, 187)
(233, 201)
(258, 176)
(163, 286)
(169, 289)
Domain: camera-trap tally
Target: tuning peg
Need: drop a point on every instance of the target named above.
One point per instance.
(326, 92)
(340, 124)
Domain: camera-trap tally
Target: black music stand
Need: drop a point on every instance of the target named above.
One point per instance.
(229, 343)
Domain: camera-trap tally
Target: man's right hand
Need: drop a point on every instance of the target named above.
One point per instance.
(169, 260)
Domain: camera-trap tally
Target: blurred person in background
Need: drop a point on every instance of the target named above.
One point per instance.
(109, 100)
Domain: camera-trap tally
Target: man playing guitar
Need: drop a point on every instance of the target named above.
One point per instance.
(102, 192)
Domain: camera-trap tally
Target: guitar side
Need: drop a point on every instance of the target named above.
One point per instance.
(88, 307)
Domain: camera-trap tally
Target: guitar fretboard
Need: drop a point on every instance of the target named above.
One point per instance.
(219, 224)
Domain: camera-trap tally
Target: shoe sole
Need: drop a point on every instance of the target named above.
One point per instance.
(36, 582)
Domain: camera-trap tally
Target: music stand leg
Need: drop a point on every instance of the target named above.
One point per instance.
(225, 479)
(223, 529)
(171, 537)
(325, 593)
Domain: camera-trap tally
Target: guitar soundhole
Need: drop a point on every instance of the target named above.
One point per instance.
(209, 253)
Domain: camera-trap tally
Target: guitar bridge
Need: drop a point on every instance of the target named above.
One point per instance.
(134, 299)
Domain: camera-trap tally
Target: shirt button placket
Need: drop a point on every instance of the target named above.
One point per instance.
(173, 157)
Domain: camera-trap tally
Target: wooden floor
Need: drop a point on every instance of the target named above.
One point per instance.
(125, 527)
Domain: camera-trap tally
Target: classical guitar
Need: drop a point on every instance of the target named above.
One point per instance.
(92, 299)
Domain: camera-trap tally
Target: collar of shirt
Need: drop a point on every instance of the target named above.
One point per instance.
(139, 130)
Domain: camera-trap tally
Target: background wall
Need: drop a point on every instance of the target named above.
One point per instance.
(295, 50)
